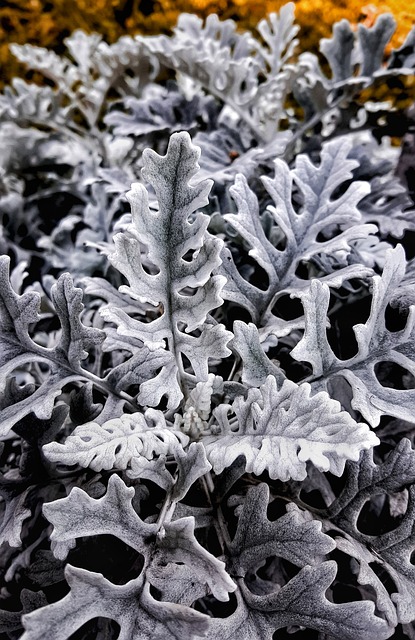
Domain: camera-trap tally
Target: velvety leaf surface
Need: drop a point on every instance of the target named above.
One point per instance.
(168, 235)
(191, 465)
(78, 515)
(302, 601)
(288, 537)
(10, 621)
(255, 364)
(18, 313)
(192, 432)
(118, 442)
(279, 431)
(375, 342)
(131, 605)
(394, 548)
(179, 544)
(299, 228)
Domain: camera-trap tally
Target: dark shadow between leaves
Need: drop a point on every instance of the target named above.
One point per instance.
(214, 608)
(287, 308)
(108, 555)
(345, 587)
(271, 576)
(376, 516)
(97, 629)
(395, 319)
(392, 376)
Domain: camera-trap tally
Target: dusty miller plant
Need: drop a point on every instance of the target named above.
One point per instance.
(207, 351)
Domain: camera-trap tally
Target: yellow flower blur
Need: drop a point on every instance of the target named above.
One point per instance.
(45, 23)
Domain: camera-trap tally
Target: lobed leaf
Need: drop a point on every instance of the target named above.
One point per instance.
(18, 313)
(393, 549)
(168, 235)
(116, 443)
(79, 515)
(178, 544)
(288, 537)
(255, 364)
(132, 606)
(14, 510)
(375, 344)
(322, 208)
(280, 430)
(301, 602)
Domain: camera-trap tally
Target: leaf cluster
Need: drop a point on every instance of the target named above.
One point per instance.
(207, 362)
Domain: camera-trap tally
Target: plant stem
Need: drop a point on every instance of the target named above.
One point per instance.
(310, 124)
(220, 522)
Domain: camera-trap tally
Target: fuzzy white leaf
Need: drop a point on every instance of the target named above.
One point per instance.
(321, 210)
(279, 431)
(80, 515)
(180, 545)
(14, 513)
(302, 601)
(18, 314)
(168, 235)
(116, 443)
(255, 364)
(201, 50)
(375, 344)
(139, 615)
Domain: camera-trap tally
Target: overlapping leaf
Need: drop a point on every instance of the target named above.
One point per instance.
(184, 290)
(365, 479)
(278, 33)
(165, 342)
(138, 444)
(341, 49)
(355, 61)
(393, 549)
(95, 67)
(322, 210)
(255, 364)
(131, 605)
(23, 102)
(10, 621)
(388, 203)
(159, 111)
(280, 430)
(404, 295)
(118, 442)
(80, 256)
(302, 601)
(375, 344)
(18, 487)
(199, 50)
(79, 515)
(299, 541)
(18, 349)
(14, 509)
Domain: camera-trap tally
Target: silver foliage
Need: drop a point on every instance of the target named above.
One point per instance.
(206, 349)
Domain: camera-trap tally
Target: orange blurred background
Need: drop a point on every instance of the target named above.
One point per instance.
(47, 23)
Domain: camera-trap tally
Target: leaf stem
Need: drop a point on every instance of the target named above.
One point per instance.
(219, 521)
(310, 124)
(167, 510)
